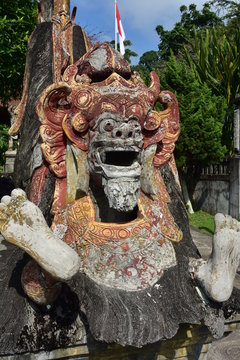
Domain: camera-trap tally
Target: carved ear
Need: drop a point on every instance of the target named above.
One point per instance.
(52, 103)
(51, 108)
(167, 145)
(163, 128)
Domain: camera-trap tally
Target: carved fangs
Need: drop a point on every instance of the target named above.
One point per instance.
(119, 161)
(120, 157)
(116, 162)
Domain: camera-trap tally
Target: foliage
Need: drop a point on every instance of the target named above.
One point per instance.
(205, 42)
(215, 58)
(17, 21)
(230, 10)
(191, 18)
(201, 113)
(202, 221)
(128, 52)
(148, 61)
(3, 142)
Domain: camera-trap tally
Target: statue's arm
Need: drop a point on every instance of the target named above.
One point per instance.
(216, 275)
(22, 224)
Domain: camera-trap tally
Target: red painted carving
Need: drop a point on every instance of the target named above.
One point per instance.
(37, 183)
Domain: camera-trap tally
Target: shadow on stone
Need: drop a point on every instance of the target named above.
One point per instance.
(6, 186)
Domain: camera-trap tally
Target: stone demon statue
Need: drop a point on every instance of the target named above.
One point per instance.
(104, 142)
(97, 173)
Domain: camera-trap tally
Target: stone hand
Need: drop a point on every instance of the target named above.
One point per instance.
(216, 275)
(22, 224)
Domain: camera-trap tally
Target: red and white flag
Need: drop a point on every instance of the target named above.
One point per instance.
(119, 29)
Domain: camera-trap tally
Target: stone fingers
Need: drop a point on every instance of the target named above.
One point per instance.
(19, 193)
(8, 207)
(3, 207)
(217, 274)
(6, 200)
(23, 224)
(226, 222)
(16, 195)
(3, 217)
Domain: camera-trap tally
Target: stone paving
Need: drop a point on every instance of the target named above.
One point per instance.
(202, 241)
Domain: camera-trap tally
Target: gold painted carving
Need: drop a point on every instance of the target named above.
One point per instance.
(61, 5)
(84, 229)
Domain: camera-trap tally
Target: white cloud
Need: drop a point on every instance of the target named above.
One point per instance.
(140, 15)
(146, 15)
(139, 18)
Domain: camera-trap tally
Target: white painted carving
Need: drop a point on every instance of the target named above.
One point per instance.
(23, 224)
(216, 275)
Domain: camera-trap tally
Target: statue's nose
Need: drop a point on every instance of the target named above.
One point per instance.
(124, 131)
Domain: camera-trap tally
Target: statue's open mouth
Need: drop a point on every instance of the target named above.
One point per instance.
(120, 157)
(119, 161)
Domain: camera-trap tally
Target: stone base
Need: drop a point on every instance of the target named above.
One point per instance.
(191, 342)
(10, 160)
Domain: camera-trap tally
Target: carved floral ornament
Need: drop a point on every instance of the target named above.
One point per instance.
(69, 109)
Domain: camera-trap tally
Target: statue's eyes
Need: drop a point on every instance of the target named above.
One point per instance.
(107, 125)
(134, 123)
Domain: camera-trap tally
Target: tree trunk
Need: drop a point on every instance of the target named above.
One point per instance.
(186, 197)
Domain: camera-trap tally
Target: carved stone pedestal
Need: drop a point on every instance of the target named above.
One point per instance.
(10, 160)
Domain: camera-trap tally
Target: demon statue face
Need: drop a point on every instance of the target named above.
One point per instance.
(115, 154)
(105, 120)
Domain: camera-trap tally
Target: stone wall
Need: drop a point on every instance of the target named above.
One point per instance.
(212, 192)
(212, 196)
(218, 188)
(234, 187)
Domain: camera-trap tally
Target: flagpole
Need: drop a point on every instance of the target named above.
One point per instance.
(115, 26)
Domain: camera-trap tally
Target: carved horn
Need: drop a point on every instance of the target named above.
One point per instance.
(61, 5)
(154, 88)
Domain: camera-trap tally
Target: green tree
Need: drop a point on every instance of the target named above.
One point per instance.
(215, 59)
(17, 20)
(201, 113)
(208, 45)
(230, 11)
(191, 18)
(3, 142)
(148, 61)
(128, 52)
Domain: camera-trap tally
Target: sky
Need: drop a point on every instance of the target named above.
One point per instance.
(139, 19)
